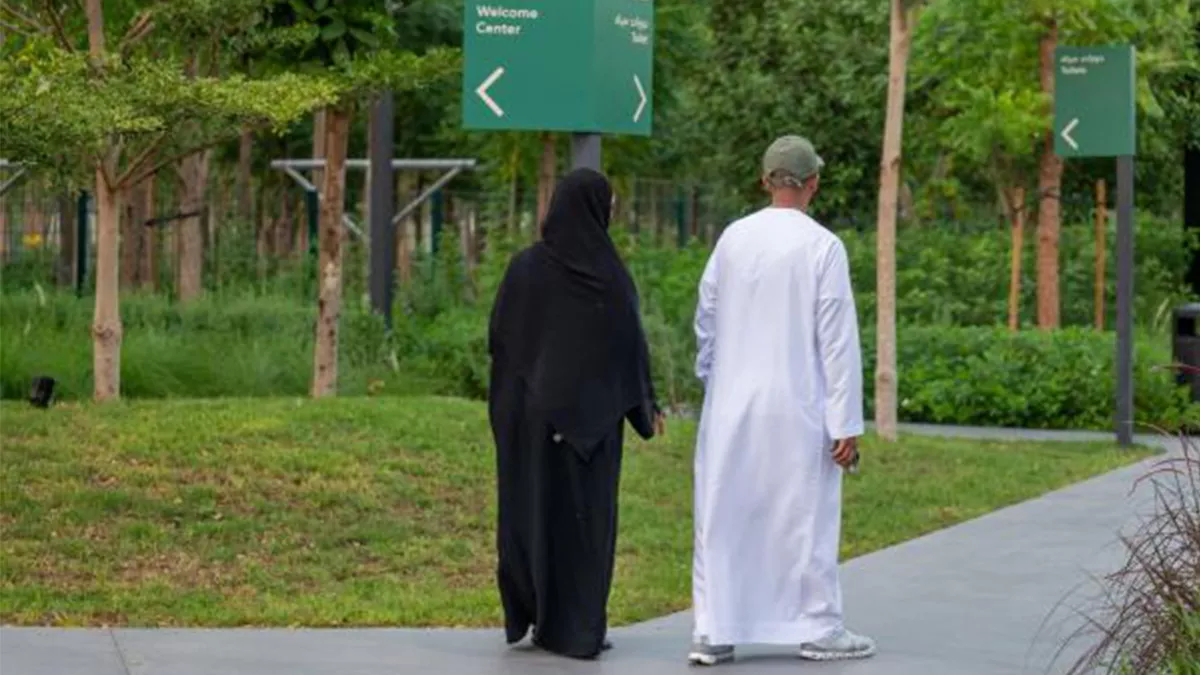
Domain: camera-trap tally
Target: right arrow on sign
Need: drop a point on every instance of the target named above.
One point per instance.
(637, 82)
(483, 94)
(1066, 133)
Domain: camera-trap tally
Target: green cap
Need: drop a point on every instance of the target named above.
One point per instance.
(792, 156)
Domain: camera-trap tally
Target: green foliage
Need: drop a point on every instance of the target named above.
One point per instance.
(812, 68)
(956, 365)
(1030, 379)
(150, 96)
(948, 275)
(356, 42)
(55, 100)
(976, 91)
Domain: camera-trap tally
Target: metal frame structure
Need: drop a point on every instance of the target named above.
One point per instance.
(451, 167)
(8, 183)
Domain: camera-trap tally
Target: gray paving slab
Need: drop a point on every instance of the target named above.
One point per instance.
(989, 597)
(59, 651)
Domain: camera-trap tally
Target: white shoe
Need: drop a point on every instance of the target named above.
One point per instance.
(840, 646)
(704, 654)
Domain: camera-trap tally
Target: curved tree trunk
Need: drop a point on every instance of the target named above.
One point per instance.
(1049, 193)
(329, 267)
(886, 379)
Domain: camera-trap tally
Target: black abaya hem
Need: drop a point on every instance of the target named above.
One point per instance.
(557, 539)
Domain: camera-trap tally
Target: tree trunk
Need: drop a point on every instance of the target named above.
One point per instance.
(245, 184)
(419, 219)
(547, 170)
(66, 239)
(106, 330)
(148, 236)
(404, 235)
(130, 217)
(1101, 251)
(886, 380)
(1049, 191)
(284, 239)
(318, 147)
(95, 19)
(216, 212)
(1015, 209)
(467, 233)
(106, 326)
(194, 172)
(329, 299)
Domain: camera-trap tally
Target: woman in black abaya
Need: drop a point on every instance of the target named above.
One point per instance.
(569, 365)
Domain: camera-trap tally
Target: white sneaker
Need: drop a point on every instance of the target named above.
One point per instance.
(840, 646)
(704, 654)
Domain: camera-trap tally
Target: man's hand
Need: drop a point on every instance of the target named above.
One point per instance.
(660, 425)
(845, 451)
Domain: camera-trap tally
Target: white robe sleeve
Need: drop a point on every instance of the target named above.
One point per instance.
(706, 320)
(838, 342)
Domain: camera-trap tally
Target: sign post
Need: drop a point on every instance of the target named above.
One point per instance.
(580, 66)
(1095, 115)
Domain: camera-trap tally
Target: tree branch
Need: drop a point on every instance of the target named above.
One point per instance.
(141, 27)
(60, 31)
(172, 159)
(140, 161)
(22, 18)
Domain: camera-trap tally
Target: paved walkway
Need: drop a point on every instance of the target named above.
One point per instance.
(974, 599)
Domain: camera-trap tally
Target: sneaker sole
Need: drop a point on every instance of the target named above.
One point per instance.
(837, 656)
(699, 659)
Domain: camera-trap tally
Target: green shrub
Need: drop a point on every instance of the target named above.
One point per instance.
(263, 347)
(1057, 380)
(972, 373)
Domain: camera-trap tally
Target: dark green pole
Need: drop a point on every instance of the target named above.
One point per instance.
(436, 216)
(81, 242)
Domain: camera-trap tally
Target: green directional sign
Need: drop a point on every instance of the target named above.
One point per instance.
(559, 65)
(1095, 113)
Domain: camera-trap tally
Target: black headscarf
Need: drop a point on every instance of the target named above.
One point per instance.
(566, 322)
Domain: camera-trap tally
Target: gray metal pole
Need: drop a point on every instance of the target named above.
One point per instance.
(585, 151)
(382, 204)
(1124, 421)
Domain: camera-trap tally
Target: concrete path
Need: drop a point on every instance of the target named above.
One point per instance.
(981, 598)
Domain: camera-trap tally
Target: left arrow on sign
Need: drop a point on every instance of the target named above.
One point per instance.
(1066, 133)
(483, 91)
(637, 82)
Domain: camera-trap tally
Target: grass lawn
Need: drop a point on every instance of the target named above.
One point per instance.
(380, 511)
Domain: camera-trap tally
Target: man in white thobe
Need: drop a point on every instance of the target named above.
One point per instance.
(779, 357)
